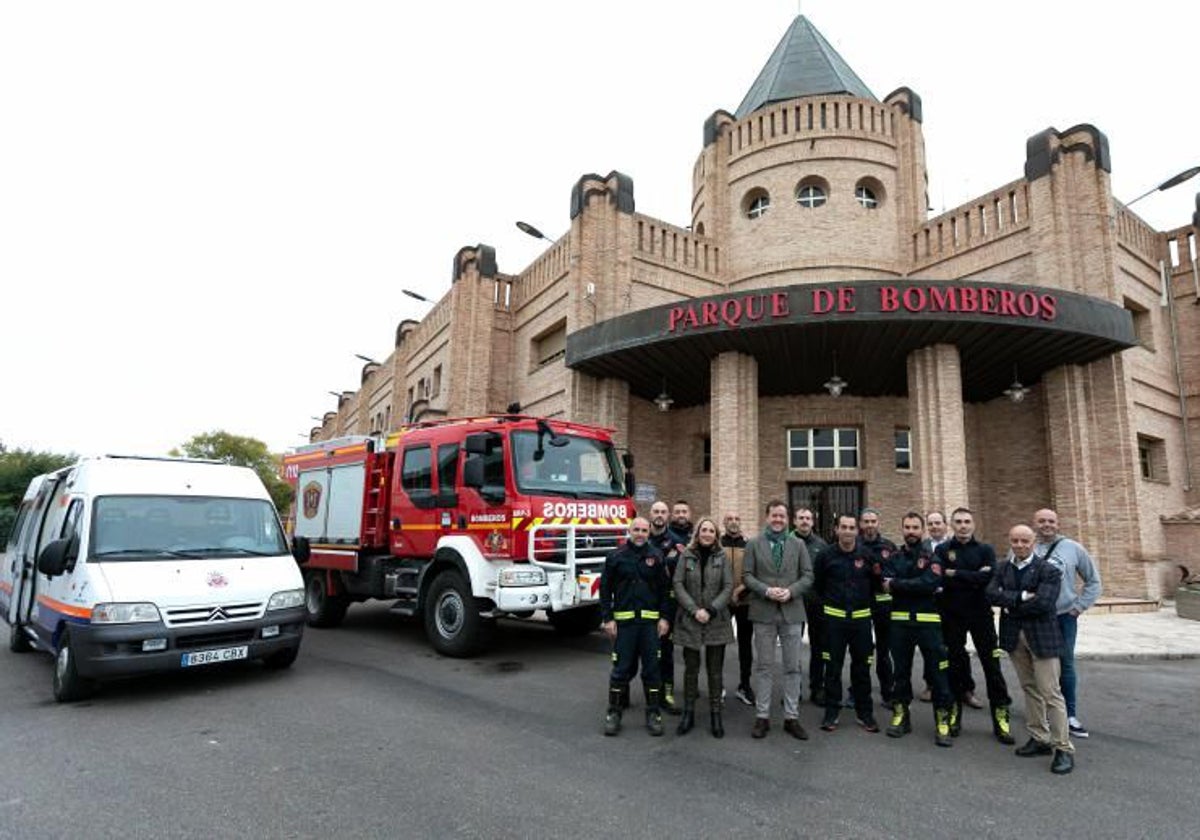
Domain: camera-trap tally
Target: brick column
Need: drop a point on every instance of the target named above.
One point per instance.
(734, 418)
(601, 402)
(1093, 468)
(939, 441)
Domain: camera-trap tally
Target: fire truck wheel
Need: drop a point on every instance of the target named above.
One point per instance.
(577, 622)
(324, 610)
(68, 685)
(18, 640)
(452, 622)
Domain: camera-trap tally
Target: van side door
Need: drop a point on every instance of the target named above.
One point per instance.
(27, 581)
(49, 596)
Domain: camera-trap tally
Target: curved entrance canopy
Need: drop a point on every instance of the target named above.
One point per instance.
(794, 331)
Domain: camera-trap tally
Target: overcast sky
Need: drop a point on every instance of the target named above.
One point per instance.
(206, 209)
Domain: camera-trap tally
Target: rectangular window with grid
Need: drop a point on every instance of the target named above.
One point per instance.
(822, 449)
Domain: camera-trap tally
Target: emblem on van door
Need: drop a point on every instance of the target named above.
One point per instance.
(312, 499)
(217, 580)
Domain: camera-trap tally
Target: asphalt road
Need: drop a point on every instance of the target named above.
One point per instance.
(370, 734)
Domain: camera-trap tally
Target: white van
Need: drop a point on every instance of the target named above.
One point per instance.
(123, 565)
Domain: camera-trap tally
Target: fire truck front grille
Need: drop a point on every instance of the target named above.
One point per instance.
(591, 546)
(212, 614)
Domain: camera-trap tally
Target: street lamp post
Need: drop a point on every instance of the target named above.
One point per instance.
(1173, 181)
(529, 229)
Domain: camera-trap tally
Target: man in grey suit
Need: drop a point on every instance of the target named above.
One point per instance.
(778, 574)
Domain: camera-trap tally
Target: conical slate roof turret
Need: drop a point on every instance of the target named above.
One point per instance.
(803, 64)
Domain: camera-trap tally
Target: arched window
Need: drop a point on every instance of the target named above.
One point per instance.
(812, 193)
(756, 203)
(868, 193)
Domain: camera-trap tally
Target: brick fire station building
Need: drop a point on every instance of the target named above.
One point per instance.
(812, 335)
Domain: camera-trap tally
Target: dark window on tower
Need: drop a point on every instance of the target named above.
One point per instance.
(903, 449)
(1143, 328)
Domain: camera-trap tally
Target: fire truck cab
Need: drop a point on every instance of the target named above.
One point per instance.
(461, 522)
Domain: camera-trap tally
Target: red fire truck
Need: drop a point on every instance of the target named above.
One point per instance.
(461, 521)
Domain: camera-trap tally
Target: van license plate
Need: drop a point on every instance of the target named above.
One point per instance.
(209, 657)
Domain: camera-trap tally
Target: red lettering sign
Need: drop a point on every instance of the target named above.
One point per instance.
(914, 299)
(942, 300)
(779, 305)
(733, 311)
(1049, 307)
(889, 299)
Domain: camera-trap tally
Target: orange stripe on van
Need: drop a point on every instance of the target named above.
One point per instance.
(65, 609)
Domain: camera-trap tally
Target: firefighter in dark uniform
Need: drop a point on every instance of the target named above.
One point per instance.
(842, 579)
(633, 606)
(967, 567)
(881, 549)
(671, 542)
(912, 577)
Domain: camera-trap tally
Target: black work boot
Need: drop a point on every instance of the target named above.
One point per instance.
(612, 719)
(688, 719)
(941, 728)
(1001, 725)
(654, 720)
(624, 704)
(955, 720)
(668, 699)
(901, 723)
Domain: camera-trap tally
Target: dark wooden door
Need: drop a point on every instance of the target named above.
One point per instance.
(827, 500)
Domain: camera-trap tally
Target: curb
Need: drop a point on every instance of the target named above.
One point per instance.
(1136, 656)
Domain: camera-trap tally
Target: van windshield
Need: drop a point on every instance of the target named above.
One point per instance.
(582, 468)
(154, 527)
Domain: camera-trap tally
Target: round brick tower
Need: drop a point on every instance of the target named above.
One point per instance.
(813, 178)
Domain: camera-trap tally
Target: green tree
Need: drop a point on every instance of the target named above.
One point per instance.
(17, 469)
(245, 452)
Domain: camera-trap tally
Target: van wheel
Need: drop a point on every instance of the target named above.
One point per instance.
(576, 622)
(324, 610)
(452, 622)
(18, 639)
(281, 659)
(68, 685)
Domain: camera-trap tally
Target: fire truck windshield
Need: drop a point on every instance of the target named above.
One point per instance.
(579, 467)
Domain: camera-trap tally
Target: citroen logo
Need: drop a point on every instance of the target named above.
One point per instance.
(218, 614)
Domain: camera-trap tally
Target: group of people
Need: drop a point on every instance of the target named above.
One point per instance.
(678, 583)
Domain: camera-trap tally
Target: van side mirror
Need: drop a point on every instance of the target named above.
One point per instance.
(630, 484)
(627, 460)
(58, 556)
(473, 477)
(301, 550)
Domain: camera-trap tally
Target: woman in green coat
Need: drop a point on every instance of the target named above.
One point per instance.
(703, 586)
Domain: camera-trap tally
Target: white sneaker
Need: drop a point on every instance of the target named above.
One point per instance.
(1077, 729)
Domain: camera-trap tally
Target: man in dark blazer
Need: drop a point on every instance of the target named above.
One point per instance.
(1026, 588)
(778, 574)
